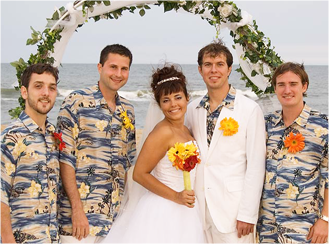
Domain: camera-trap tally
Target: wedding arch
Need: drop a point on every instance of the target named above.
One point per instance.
(257, 60)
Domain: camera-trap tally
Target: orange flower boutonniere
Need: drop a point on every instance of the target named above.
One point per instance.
(229, 126)
(294, 143)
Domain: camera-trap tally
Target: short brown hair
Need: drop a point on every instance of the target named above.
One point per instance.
(115, 49)
(215, 49)
(39, 68)
(296, 68)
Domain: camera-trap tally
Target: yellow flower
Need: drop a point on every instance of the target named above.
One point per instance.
(126, 121)
(75, 131)
(83, 190)
(181, 152)
(177, 150)
(19, 148)
(10, 168)
(101, 124)
(35, 189)
(93, 231)
(292, 191)
(229, 126)
(320, 131)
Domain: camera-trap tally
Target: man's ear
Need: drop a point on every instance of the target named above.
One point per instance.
(200, 69)
(24, 92)
(99, 67)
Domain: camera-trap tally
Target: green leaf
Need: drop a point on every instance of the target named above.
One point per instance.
(146, 7)
(107, 3)
(142, 12)
(254, 73)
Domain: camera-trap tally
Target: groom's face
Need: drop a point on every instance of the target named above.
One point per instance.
(215, 71)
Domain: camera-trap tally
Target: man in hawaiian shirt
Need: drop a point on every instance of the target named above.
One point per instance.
(230, 131)
(98, 129)
(294, 205)
(29, 163)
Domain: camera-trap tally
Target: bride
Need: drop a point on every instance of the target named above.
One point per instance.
(165, 212)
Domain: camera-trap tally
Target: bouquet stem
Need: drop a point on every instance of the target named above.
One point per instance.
(187, 180)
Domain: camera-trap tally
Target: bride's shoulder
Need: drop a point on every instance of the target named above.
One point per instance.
(162, 130)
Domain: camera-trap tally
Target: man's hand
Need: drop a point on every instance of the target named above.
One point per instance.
(80, 224)
(244, 228)
(318, 232)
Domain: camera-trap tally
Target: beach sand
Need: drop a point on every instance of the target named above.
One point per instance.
(139, 133)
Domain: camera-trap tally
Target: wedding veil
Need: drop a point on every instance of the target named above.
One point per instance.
(133, 191)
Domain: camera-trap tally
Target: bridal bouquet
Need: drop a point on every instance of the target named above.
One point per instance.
(184, 157)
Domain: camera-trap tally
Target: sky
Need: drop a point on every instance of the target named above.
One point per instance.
(298, 31)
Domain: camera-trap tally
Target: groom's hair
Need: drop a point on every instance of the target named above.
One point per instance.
(115, 49)
(215, 49)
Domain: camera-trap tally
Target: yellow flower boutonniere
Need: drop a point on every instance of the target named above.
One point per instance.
(229, 126)
(126, 121)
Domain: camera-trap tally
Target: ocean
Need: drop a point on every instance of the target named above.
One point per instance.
(137, 90)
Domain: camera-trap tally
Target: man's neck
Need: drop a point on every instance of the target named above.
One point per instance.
(109, 96)
(217, 96)
(39, 119)
(289, 114)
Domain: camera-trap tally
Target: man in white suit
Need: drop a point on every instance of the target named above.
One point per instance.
(230, 131)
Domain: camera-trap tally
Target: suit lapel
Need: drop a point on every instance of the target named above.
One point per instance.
(219, 133)
(202, 126)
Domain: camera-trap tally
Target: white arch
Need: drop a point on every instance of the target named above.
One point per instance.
(76, 17)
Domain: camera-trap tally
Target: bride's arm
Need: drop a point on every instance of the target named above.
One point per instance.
(153, 150)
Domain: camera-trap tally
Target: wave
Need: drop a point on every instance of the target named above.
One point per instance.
(139, 95)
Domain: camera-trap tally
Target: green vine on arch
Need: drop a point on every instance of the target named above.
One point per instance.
(257, 48)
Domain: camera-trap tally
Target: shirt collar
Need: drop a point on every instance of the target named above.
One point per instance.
(228, 102)
(100, 100)
(32, 126)
(301, 120)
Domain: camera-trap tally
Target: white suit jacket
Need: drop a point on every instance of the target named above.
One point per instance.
(231, 174)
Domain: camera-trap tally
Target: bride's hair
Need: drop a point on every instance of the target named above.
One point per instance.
(167, 80)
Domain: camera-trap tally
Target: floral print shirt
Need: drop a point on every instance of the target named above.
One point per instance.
(292, 196)
(29, 180)
(212, 117)
(100, 146)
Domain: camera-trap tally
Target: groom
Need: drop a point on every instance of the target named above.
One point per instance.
(230, 131)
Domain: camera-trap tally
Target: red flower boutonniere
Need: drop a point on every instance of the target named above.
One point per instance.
(59, 141)
(294, 143)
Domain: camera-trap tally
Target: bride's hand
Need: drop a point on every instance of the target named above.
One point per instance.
(186, 198)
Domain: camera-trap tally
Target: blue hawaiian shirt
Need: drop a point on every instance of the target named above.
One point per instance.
(100, 146)
(292, 197)
(29, 180)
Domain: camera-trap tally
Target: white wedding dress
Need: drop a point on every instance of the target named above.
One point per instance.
(156, 219)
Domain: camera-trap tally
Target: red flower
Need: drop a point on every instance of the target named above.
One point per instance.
(59, 141)
(190, 163)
